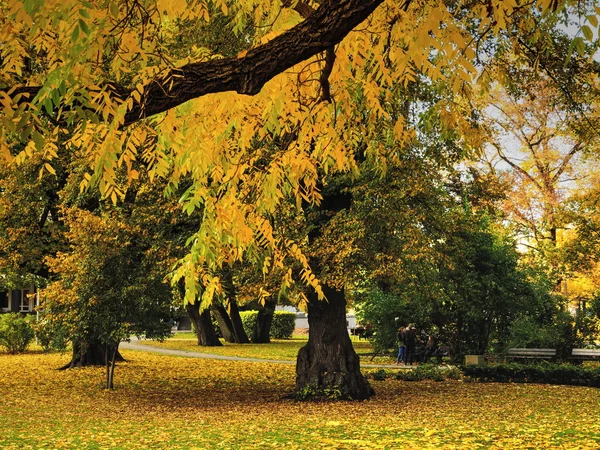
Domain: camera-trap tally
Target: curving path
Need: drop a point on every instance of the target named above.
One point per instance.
(134, 345)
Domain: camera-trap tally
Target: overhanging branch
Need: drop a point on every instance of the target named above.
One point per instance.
(323, 29)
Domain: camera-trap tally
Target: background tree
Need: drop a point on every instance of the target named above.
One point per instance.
(110, 288)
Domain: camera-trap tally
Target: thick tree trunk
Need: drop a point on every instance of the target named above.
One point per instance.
(224, 322)
(89, 354)
(327, 365)
(203, 326)
(262, 329)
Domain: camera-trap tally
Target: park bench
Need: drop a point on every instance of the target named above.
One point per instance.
(585, 354)
(531, 353)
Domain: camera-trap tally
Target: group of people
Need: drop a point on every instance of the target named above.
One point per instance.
(409, 351)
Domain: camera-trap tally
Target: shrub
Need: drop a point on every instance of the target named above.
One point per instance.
(16, 332)
(249, 321)
(546, 373)
(312, 392)
(282, 326)
(378, 375)
(50, 335)
(419, 373)
(424, 372)
(284, 323)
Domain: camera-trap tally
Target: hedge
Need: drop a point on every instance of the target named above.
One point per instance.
(284, 323)
(282, 326)
(546, 373)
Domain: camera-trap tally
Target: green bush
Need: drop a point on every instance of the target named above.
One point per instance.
(378, 375)
(423, 372)
(419, 373)
(282, 326)
(546, 373)
(249, 321)
(50, 335)
(284, 323)
(16, 332)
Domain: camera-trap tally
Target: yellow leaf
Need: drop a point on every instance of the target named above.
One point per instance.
(50, 169)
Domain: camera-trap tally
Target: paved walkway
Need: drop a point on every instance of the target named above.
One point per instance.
(135, 345)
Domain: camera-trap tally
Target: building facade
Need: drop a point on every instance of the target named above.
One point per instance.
(18, 300)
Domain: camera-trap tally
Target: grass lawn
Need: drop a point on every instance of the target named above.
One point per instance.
(183, 403)
(286, 349)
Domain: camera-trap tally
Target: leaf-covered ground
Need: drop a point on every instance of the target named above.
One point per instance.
(278, 349)
(181, 403)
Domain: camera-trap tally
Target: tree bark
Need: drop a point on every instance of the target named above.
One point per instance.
(203, 326)
(327, 365)
(89, 354)
(262, 329)
(234, 313)
(224, 322)
(111, 356)
(232, 307)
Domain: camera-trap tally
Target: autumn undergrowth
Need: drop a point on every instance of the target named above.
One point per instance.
(184, 403)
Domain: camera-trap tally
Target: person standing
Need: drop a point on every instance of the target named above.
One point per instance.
(410, 342)
(401, 345)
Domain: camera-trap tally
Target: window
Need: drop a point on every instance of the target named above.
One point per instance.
(3, 301)
(25, 301)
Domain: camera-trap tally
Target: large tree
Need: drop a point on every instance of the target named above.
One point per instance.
(107, 71)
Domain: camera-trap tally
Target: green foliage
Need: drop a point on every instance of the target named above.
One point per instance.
(283, 325)
(427, 372)
(525, 332)
(249, 320)
(313, 392)
(378, 375)
(16, 332)
(558, 332)
(549, 373)
(109, 287)
(386, 312)
(50, 334)
(418, 373)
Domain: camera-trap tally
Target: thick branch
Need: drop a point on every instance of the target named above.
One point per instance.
(324, 79)
(323, 29)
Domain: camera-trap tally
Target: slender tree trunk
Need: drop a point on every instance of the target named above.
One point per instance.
(224, 322)
(238, 329)
(328, 365)
(107, 359)
(232, 307)
(203, 326)
(89, 354)
(111, 373)
(262, 329)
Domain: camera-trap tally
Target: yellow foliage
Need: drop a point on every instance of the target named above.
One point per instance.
(245, 155)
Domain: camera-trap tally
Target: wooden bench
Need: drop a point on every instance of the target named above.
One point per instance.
(585, 354)
(531, 353)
